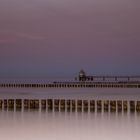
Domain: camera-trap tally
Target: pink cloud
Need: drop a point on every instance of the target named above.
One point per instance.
(10, 36)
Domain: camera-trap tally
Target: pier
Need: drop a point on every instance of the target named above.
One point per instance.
(72, 85)
(82, 81)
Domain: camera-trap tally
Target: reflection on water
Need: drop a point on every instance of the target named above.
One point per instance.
(55, 125)
(69, 126)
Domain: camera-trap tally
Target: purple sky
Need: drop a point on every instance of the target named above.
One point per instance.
(57, 38)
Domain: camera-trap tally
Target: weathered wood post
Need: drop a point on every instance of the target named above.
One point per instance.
(68, 102)
(43, 104)
(18, 104)
(5, 104)
(132, 106)
(125, 105)
(62, 105)
(106, 106)
(92, 105)
(85, 104)
(36, 104)
(1, 104)
(119, 105)
(50, 104)
(138, 106)
(56, 104)
(26, 104)
(11, 104)
(31, 104)
(79, 105)
(73, 106)
(112, 106)
(99, 105)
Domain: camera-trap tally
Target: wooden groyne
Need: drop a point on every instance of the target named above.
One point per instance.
(72, 85)
(71, 105)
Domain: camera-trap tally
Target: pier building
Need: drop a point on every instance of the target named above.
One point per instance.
(108, 78)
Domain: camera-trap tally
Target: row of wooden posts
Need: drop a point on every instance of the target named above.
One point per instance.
(70, 105)
(73, 85)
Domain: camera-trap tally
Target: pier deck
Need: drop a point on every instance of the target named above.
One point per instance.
(72, 85)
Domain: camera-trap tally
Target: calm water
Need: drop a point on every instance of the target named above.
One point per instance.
(70, 126)
(43, 125)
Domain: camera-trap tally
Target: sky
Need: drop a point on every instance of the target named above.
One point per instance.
(58, 38)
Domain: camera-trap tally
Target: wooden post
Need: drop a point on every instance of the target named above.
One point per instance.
(125, 106)
(62, 105)
(31, 104)
(11, 104)
(112, 106)
(79, 105)
(1, 104)
(106, 105)
(43, 104)
(50, 104)
(119, 105)
(18, 104)
(73, 105)
(26, 104)
(85, 103)
(5, 104)
(138, 106)
(132, 106)
(92, 105)
(56, 104)
(99, 105)
(68, 102)
(36, 102)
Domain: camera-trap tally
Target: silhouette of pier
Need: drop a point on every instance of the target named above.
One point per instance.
(72, 85)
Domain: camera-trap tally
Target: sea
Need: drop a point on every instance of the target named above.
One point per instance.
(58, 125)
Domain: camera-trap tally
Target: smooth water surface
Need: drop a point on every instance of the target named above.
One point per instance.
(43, 125)
(34, 125)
